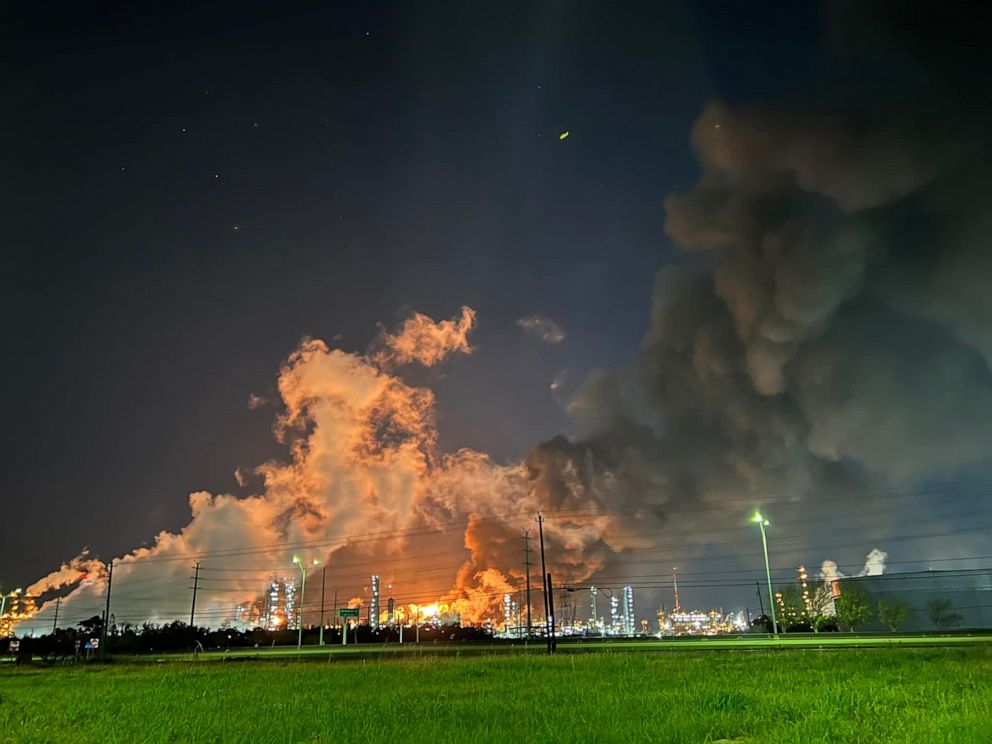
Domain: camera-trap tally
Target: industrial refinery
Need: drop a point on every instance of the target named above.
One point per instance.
(275, 609)
(608, 612)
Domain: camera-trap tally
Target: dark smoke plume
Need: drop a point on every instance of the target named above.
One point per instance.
(829, 330)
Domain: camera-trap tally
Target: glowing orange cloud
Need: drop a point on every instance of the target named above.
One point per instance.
(362, 459)
(422, 340)
(80, 568)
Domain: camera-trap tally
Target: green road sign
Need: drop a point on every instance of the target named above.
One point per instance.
(348, 612)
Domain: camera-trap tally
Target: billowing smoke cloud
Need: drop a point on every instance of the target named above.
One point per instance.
(829, 330)
(875, 563)
(813, 318)
(423, 341)
(80, 568)
(543, 327)
(874, 566)
(364, 463)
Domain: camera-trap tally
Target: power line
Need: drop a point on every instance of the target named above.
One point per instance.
(880, 492)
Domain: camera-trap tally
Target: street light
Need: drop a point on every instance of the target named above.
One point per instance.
(762, 523)
(303, 591)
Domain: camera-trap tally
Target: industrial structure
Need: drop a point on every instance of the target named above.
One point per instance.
(697, 622)
(681, 622)
(628, 610)
(801, 577)
(15, 607)
(275, 609)
(909, 601)
(374, 606)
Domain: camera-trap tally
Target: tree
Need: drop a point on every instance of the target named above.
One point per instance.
(821, 609)
(892, 614)
(826, 624)
(941, 615)
(92, 627)
(853, 608)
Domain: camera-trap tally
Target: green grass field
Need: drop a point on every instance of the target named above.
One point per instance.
(719, 643)
(901, 695)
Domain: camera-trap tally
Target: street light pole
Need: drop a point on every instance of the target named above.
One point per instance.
(323, 585)
(303, 594)
(762, 523)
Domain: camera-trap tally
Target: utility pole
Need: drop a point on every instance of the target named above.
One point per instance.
(552, 646)
(55, 622)
(544, 579)
(334, 613)
(323, 583)
(527, 573)
(106, 612)
(196, 584)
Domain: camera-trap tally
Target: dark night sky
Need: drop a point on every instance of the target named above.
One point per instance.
(186, 194)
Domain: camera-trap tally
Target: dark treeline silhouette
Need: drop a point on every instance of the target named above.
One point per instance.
(70, 643)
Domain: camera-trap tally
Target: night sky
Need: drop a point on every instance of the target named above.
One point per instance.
(187, 194)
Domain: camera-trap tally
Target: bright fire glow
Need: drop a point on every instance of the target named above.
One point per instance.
(362, 450)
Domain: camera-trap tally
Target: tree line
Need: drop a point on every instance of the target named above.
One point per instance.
(70, 643)
(853, 609)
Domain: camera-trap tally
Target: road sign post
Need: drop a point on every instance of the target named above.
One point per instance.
(346, 612)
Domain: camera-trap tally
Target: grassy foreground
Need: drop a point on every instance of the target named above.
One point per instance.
(904, 695)
(718, 643)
